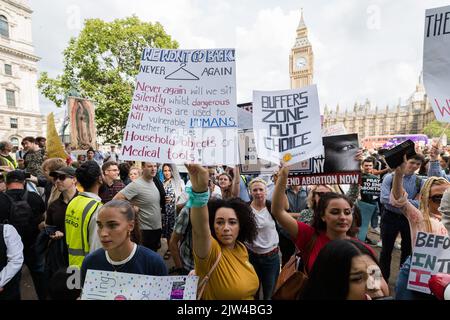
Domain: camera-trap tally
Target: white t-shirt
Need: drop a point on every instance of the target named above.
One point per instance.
(267, 235)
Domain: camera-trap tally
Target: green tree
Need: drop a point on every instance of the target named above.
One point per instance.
(435, 128)
(101, 64)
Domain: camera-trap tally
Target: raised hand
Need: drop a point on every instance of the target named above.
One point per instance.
(283, 174)
(199, 177)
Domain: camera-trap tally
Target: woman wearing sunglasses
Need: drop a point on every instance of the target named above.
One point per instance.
(426, 219)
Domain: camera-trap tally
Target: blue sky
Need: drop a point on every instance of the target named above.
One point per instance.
(363, 49)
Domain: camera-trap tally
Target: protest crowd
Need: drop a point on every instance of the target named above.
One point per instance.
(237, 231)
(205, 199)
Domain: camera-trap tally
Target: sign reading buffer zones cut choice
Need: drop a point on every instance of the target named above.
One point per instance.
(288, 124)
(184, 108)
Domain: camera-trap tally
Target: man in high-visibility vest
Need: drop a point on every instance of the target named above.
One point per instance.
(5, 154)
(81, 215)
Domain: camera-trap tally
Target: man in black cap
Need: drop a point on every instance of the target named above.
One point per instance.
(24, 210)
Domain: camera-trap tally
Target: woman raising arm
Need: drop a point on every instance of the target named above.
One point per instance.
(219, 229)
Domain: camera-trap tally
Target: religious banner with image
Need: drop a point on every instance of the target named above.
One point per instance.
(83, 133)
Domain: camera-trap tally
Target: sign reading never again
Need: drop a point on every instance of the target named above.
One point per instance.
(184, 108)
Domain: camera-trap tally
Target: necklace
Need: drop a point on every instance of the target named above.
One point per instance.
(118, 265)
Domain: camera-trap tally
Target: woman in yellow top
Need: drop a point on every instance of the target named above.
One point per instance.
(221, 227)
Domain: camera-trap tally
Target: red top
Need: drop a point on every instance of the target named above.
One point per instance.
(305, 233)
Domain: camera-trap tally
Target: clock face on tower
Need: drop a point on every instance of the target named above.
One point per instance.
(300, 63)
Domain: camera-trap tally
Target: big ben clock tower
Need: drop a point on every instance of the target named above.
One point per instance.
(301, 59)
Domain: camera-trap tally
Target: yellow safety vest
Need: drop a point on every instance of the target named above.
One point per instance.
(12, 165)
(78, 214)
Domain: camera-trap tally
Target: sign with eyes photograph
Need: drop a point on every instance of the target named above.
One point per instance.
(338, 165)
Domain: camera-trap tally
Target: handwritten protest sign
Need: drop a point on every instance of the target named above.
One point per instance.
(288, 124)
(106, 285)
(337, 166)
(436, 61)
(431, 255)
(184, 108)
(371, 186)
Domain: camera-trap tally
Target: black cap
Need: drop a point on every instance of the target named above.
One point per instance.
(70, 171)
(15, 176)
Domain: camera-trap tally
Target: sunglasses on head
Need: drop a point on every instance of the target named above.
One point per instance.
(436, 198)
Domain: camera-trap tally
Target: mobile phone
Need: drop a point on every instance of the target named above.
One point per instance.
(27, 175)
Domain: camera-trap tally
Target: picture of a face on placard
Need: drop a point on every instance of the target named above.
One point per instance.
(340, 152)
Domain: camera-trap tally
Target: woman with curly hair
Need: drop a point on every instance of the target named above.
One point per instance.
(219, 231)
(426, 219)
